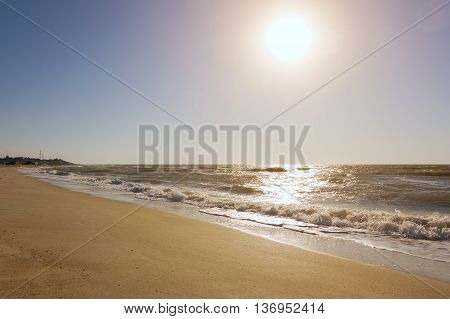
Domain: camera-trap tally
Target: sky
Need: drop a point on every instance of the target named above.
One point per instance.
(205, 62)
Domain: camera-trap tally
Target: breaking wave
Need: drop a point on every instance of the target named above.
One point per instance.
(434, 226)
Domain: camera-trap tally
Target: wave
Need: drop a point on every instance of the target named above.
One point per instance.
(241, 189)
(429, 227)
(269, 169)
(60, 173)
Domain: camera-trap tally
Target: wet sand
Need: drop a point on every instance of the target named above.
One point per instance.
(45, 232)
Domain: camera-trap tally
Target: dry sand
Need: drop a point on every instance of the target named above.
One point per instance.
(156, 254)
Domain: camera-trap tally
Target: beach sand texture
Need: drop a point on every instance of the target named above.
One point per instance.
(156, 254)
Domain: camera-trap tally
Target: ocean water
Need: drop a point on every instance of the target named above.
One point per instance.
(402, 208)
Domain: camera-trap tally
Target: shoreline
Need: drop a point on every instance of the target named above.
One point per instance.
(364, 249)
(155, 254)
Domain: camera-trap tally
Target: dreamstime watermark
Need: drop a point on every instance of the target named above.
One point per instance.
(252, 145)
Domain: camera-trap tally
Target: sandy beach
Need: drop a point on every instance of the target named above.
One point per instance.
(157, 254)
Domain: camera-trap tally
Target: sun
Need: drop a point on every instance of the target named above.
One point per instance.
(288, 38)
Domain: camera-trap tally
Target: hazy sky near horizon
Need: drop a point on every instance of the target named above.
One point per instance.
(206, 63)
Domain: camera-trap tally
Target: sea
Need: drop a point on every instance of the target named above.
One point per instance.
(391, 215)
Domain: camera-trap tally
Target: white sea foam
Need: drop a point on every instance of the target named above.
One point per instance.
(422, 236)
(429, 227)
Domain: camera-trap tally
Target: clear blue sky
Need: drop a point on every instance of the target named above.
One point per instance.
(203, 61)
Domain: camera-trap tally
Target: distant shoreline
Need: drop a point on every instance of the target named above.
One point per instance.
(30, 161)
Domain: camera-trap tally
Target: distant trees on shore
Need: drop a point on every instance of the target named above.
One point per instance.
(31, 161)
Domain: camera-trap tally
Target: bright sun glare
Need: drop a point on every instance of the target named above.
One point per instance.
(288, 38)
